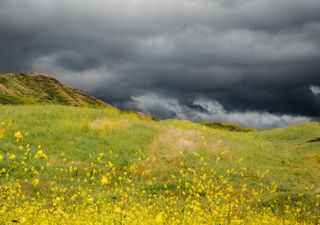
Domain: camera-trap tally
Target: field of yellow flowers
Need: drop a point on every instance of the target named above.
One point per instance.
(188, 181)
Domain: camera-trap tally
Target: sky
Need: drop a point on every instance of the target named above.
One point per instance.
(252, 62)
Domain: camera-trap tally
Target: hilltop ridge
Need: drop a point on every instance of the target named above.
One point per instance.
(35, 88)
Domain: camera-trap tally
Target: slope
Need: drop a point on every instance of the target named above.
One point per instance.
(154, 160)
(36, 88)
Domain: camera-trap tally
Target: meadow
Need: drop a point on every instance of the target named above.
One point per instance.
(82, 165)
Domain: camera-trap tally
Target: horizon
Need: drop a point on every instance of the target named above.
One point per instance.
(253, 63)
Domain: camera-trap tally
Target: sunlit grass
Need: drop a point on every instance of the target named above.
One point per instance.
(58, 165)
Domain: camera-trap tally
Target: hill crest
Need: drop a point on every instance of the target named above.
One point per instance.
(35, 88)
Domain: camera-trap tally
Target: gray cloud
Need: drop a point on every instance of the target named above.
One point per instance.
(250, 56)
(209, 110)
(315, 90)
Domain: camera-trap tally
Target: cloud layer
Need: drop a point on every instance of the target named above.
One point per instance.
(255, 58)
(207, 110)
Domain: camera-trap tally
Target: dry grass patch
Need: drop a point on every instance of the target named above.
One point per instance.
(110, 124)
(171, 141)
(166, 149)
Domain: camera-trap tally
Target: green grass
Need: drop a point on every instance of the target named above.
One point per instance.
(227, 126)
(68, 130)
(285, 156)
(286, 153)
(34, 88)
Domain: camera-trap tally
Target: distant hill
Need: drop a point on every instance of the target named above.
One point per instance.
(35, 88)
(227, 126)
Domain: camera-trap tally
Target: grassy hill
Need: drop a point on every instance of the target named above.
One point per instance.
(35, 88)
(86, 165)
(129, 169)
(227, 126)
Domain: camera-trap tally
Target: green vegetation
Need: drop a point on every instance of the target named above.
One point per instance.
(281, 166)
(98, 165)
(227, 126)
(34, 88)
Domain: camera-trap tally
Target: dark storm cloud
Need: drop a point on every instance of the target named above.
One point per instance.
(243, 58)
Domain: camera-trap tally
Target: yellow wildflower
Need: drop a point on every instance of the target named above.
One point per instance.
(159, 218)
(12, 156)
(35, 182)
(117, 210)
(40, 154)
(18, 135)
(104, 180)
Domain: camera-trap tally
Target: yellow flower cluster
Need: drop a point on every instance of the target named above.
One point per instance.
(40, 154)
(18, 135)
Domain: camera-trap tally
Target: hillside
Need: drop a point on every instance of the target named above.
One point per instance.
(61, 164)
(226, 126)
(75, 165)
(36, 88)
